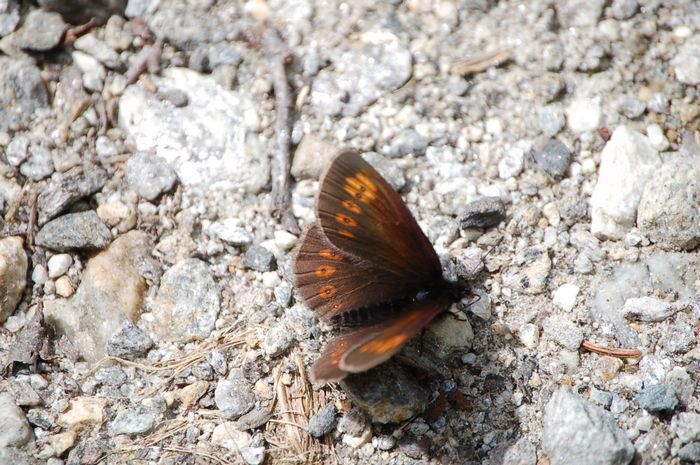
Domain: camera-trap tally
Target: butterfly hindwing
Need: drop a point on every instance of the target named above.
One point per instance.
(361, 214)
(363, 348)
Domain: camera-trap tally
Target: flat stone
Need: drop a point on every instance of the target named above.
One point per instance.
(13, 275)
(657, 398)
(132, 422)
(259, 258)
(647, 309)
(628, 162)
(485, 212)
(75, 231)
(67, 188)
(323, 421)
(111, 291)
(41, 31)
(187, 303)
(573, 428)
(149, 175)
(233, 398)
(129, 342)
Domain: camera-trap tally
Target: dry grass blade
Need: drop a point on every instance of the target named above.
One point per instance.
(613, 352)
(482, 62)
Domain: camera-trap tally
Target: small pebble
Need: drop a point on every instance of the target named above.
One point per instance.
(657, 398)
(259, 258)
(554, 158)
(323, 421)
(64, 286)
(59, 264)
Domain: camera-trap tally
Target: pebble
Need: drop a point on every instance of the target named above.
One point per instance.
(59, 264)
(64, 286)
(259, 258)
(584, 114)
(530, 271)
(657, 137)
(323, 421)
(228, 232)
(57, 444)
(630, 106)
(111, 283)
(483, 213)
(83, 411)
(311, 157)
(41, 31)
(233, 398)
(657, 398)
(686, 425)
(149, 175)
(554, 158)
(27, 95)
(387, 393)
(511, 163)
(98, 49)
(13, 275)
(285, 240)
(551, 120)
(529, 335)
(253, 455)
(15, 431)
(523, 452)
(407, 142)
(574, 427)
(278, 340)
(628, 162)
(132, 422)
(187, 303)
(624, 9)
(447, 336)
(686, 63)
(647, 309)
(602, 398)
(562, 330)
(690, 452)
(67, 188)
(39, 165)
(75, 231)
(94, 73)
(9, 16)
(666, 215)
(129, 342)
(565, 296)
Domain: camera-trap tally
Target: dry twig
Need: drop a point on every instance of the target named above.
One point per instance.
(482, 62)
(613, 352)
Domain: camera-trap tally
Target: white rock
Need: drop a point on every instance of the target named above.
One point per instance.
(565, 296)
(59, 264)
(627, 162)
(512, 163)
(271, 279)
(584, 114)
(529, 335)
(285, 240)
(647, 309)
(15, 430)
(657, 138)
(64, 287)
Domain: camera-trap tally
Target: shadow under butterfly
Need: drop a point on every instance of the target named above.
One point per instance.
(367, 268)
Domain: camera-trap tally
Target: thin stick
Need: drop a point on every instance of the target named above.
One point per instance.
(32, 219)
(613, 352)
(481, 62)
(279, 57)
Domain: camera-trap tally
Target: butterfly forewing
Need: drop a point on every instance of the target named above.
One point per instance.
(360, 213)
(332, 282)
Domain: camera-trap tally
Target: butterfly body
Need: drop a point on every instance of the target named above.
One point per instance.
(367, 268)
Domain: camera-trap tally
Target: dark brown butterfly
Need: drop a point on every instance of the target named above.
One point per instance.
(366, 267)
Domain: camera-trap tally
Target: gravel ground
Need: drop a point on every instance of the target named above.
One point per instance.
(548, 149)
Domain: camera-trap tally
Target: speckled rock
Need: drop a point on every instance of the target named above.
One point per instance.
(75, 231)
(13, 273)
(149, 175)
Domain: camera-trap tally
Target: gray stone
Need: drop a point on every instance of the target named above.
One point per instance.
(683, 383)
(17, 150)
(686, 425)
(387, 393)
(686, 63)
(407, 142)
(575, 14)
(623, 9)
(387, 168)
(647, 309)
(22, 93)
(13, 273)
(323, 421)
(233, 398)
(111, 376)
(522, 452)
(551, 120)
(554, 158)
(562, 330)
(253, 455)
(530, 271)
(41, 31)
(97, 49)
(132, 422)
(485, 212)
(129, 342)
(9, 16)
(278, 340)
(690, 452)
(574, 429)
(259, 258)
(628, 162)
(235, 236)
(602, 398)
(217, 360)
(149, 175)
(311, 157)
(658, 398)
(192, 139)
(111, 291)
(669, 208)
(630, 106)
(188, 302)
(67, 188)
(39, 165)
(14, 428)
(75, 231)
(376, 64)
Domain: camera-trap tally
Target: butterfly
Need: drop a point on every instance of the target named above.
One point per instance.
(366, 267)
